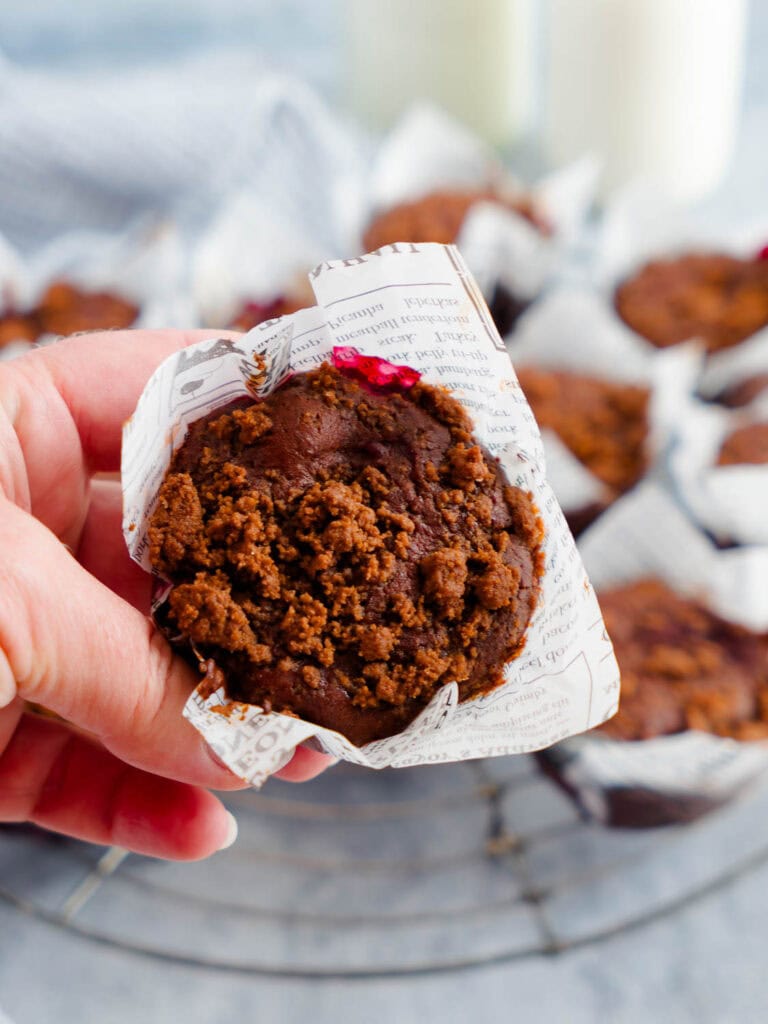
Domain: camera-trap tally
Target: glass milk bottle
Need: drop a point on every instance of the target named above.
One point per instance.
(651, 86)
(470, 57)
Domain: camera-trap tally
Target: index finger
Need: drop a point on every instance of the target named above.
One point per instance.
(100, 378)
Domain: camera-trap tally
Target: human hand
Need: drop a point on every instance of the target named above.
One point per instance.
(74, 635)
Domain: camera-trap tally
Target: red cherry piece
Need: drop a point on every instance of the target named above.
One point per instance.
(376, 373)
(763, 254)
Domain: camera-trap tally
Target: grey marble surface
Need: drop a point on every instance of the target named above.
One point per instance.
(702, 963)
(705, 964)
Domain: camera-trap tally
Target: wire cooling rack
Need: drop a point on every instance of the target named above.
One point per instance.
(399, 872)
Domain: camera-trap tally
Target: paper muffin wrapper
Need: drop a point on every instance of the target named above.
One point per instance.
(249, 254)
(729, 501)
(642, 224)
(571, 329)
(734, 365)
(679, 777)
(429, 151)
(252, 252)
(145, 264)
(414, 305)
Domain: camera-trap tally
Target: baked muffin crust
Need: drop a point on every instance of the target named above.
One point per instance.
(683, 667)
(340, 554)
(716, 298)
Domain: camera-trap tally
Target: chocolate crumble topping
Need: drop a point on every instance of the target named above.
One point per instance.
(340, 554)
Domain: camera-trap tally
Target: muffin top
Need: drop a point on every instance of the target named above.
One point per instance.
(603, 423)
(340, 554)
(438, 216)
(65, 308)
(683, 667)
(719, 299)
(744, 446)
(17, 327)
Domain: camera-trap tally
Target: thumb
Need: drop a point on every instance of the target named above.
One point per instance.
(69, 643)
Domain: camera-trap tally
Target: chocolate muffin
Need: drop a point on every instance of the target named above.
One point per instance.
(745, 446)
(683, 667)
(604, 424)
(17, 327)
(438, 217)
(66, 309)
(716, 298)
(341, 554)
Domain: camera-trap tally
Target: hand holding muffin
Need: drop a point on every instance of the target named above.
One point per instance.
(74, 636)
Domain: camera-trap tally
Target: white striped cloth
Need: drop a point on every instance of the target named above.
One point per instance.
(95, 150)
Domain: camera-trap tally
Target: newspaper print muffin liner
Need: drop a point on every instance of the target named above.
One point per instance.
(415, 305)
(669, 779)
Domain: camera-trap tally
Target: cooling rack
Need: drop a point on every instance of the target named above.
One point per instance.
(366, 874)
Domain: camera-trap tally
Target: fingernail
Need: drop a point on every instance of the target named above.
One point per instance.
(231, 832)
(330, 760)
(7, 682)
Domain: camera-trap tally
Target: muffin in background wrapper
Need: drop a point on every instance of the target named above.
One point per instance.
(513, 237)
(89, 281)
(570, 330)
(738, 377)
(648, 265)
(726, 493)
(679, 777)
(413, 305)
